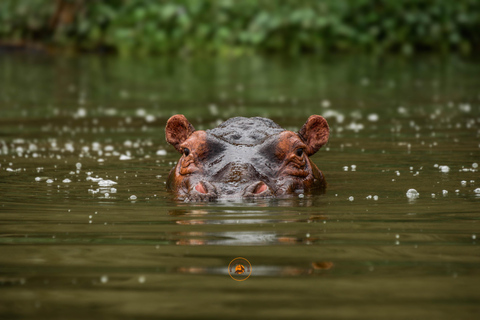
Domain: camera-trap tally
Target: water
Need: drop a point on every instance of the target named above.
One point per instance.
(87, 228)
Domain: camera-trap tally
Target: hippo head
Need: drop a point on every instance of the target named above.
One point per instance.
(245, 158)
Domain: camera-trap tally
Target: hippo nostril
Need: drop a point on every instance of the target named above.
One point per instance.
(200, 188)
(258, 189)
(261, 187)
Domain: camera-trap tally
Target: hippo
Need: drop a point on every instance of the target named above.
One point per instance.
(245, 158)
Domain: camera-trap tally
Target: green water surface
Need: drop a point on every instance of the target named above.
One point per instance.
(71, 247)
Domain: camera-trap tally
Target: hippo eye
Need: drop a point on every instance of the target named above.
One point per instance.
(299, 152)
(186, 152)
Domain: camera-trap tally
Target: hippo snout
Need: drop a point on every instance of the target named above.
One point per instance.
(208, 191)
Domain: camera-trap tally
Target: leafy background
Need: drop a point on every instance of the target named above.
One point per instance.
(239, 27)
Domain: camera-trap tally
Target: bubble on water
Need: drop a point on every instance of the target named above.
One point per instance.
(38, 179)
(444, 169)
(106, 183)
(465, 107)
(125, 157)
(445, 192)
(474, 236)
(356, 127)
(49, 181)
(104, 279)
(113, 190)
(301, 195)
(354, 167)
(101, 160)
(463, 183)
(373, 117)
(141, 279)
(107, 195)
(368, 197)
(475, 165)
(397, 173)
(351, 198)
(66, 181)
(81, 113)
(150, 118)
(326, 103)
(332, 113)
(402, 110)
(93, 179)
(161, 152)
(345, 168)
(477, 190)
(375, 197)
(397, 236)
(213, 109)
(412, 194)
(433, 195)
(133, 197)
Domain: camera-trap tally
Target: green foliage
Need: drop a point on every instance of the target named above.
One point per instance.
(231, 26)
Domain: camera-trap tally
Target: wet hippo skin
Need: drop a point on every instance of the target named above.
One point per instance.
(245, 158)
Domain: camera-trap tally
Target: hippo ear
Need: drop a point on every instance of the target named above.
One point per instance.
(315, 133)
(177, 130)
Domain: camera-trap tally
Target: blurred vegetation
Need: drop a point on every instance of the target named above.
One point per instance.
(229, 26)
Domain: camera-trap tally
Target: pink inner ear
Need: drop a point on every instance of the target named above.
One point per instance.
(177, 130)
(200, 188)
(315, 132)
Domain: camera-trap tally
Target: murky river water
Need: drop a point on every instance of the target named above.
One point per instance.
(87, 228)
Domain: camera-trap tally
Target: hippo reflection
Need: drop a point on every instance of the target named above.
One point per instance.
(245, 158)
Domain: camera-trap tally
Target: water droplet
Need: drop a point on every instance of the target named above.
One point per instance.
(351, 198)
(133, 197)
